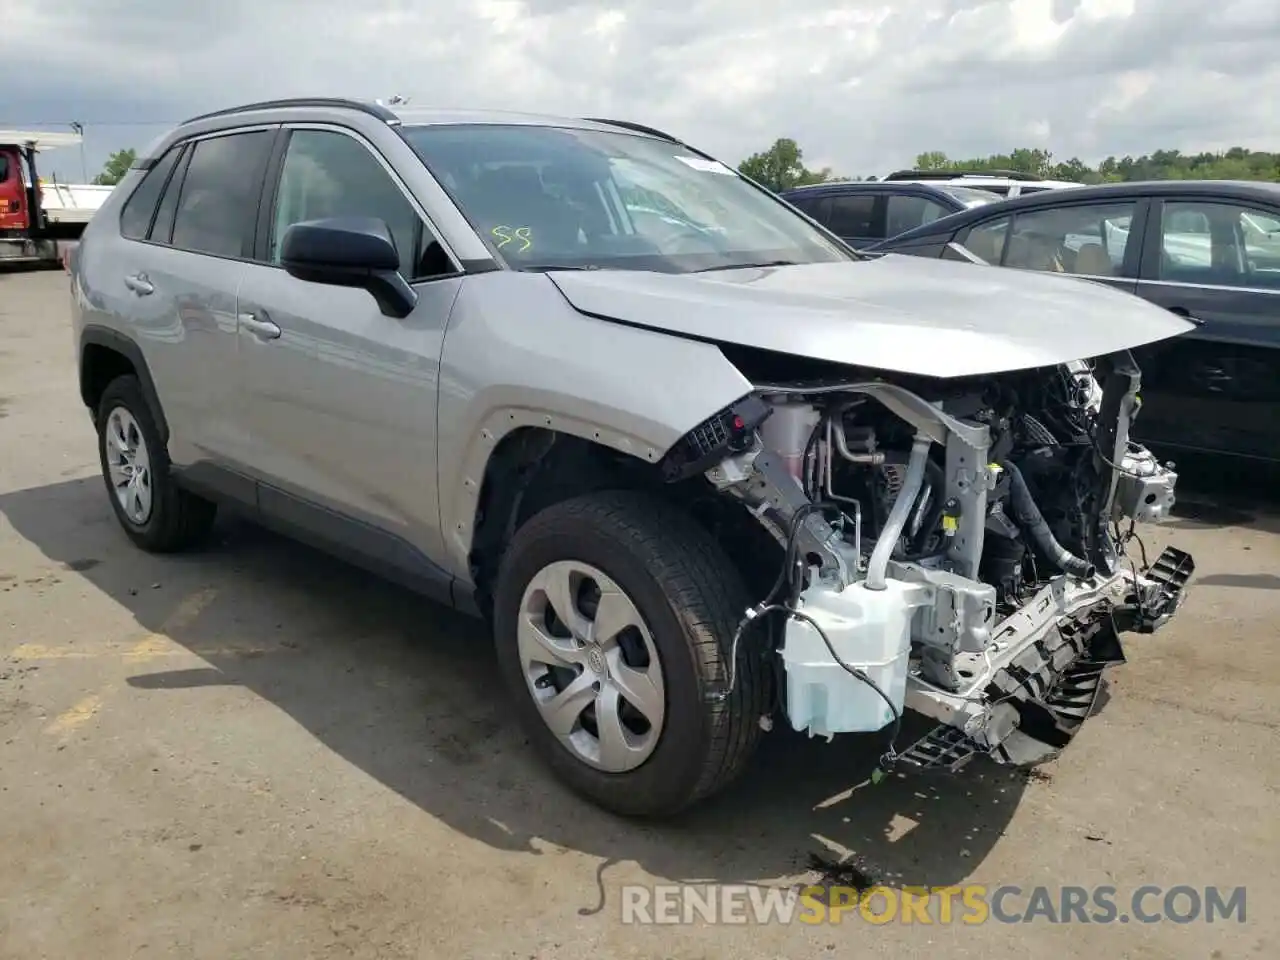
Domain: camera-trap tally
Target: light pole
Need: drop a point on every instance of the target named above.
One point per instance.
(78, 127)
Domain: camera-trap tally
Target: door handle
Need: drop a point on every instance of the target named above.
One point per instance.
(139, 284)
(260, 327)
(1185, 314)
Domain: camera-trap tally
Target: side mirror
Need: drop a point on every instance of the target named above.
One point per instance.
(349, 252)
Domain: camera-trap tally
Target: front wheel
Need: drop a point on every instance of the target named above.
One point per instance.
(614, 616)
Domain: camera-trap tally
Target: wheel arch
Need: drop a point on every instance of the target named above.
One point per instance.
(637, 435)
(536, 465)
(524, 460)
(105, 354)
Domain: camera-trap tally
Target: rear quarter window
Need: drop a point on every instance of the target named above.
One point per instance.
(135, 218)
(907, 211)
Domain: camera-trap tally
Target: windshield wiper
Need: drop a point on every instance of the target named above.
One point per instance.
(548, 267)
(747, 266)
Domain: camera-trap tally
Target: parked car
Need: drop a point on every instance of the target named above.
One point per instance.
(587, 382)
(1208, 251)
(862, 212)
(1004, 183)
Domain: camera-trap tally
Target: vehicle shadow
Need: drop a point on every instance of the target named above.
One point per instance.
(17, 267)
(409, 693)
(1215, 492)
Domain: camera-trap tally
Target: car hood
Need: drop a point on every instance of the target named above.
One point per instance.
(899, 313)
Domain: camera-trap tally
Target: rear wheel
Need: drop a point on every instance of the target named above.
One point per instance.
(614, 616)
(155, 513)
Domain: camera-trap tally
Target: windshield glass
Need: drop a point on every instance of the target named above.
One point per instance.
(556, 197)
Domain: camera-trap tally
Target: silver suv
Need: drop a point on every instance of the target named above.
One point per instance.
(702, 468)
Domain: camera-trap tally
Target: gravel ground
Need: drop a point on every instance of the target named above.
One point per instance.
(256, 751)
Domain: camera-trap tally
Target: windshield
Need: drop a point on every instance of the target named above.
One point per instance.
(549, 197)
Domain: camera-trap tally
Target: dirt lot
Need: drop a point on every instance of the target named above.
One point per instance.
(259, 752)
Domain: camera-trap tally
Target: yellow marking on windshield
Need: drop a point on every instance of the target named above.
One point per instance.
(506, 234)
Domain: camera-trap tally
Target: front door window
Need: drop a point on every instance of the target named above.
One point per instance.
(328, 174)
(1221, 244)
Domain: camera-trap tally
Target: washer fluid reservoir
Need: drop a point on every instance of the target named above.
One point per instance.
(869, 630)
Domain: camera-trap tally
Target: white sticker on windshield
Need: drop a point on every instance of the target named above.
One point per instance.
(706, 166)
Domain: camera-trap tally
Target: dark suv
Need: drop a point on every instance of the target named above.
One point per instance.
(865, 212)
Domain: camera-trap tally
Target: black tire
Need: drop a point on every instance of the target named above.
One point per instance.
(178, 519)
(692, 599)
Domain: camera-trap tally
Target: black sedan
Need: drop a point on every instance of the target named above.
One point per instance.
(1205, 250)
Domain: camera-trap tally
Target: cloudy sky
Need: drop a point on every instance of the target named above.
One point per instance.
(863, 86)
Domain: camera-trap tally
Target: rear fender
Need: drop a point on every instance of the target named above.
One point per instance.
(95, 335)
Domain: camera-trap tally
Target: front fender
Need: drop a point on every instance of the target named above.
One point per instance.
(517, 355)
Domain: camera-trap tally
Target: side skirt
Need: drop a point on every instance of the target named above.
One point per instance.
(345, 538)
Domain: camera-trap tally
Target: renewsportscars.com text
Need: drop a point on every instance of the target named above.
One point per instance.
(968, 904)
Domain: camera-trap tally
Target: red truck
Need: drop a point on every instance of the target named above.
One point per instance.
(39, 218)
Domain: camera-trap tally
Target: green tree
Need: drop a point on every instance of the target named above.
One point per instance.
(781, 167)
(933, 160)
(116, 167)
(1238, 163)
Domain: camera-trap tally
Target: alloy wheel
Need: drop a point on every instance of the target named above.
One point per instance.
(591, 666)
(129, 465)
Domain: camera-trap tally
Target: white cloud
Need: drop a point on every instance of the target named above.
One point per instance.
(863, 86)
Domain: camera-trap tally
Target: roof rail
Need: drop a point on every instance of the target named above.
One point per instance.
(1007, 174)
(372, 109)
(637, 127)
(953, 174)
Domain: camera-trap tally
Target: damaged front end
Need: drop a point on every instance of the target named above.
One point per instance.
(953, 547)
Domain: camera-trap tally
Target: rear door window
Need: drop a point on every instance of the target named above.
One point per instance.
(853, 216)
(985, 240)
(1083, 238)
(218, 206)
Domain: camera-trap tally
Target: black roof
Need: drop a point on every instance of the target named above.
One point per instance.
(1263, 190)
(1259, 191)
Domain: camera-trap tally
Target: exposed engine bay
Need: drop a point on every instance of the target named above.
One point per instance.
(957, 547)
